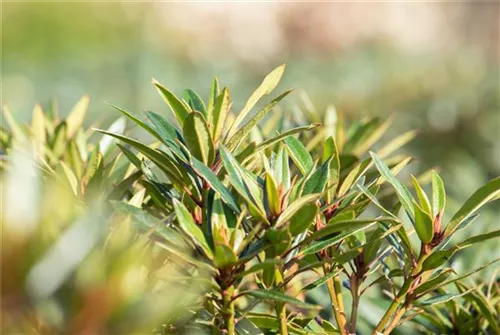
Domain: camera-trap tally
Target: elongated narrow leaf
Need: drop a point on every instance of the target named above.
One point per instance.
(282, 169)
(217, 118)
(320, 281)
(354, 175)
(130, 156)
(438, 194)
(211, 178)
(303, 219)
(403, 194)
(439, 299)
(294, 207)
(173, 102)
(198, 139)
(13, 125)
(38, 126)
(138, 121)
(195, 102)
(159, 159)
(266, 87)
(71, 177)
(318, 180)
(423, 224)
(214, 93)
(350, 229)
(479, 238)
(77, 115)
(483, 195)
(272, 141)
(188, 225)
(279, 297)
(422, 197)
(438, 258)
(456, 279)
(299, 155)
(166, 131)
(348, 225)
(273, 202)
(247, 128)
(432, 283)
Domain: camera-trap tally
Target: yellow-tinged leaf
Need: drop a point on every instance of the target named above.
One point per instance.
(14, 127)
(267, 86)
(198, 139)
(38, 127)
(422, 197)
(70, 176)
(75, 118)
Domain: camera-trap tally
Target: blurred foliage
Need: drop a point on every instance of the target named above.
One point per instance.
(228, 224)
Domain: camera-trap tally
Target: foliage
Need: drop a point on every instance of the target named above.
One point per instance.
(238, 222)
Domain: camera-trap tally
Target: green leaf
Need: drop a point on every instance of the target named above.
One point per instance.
(317, 182)
(70, 176)
(195, 102)
(299, 155)
(279, 297)
(439, 299)
(282, 169)
(266, 87)
(354, 175)
(258, 266)
(272, 141)
(238, 136)
(438, 194)
(130, 156)
(303, 218)
(483, 195)
(173, 102)
(224, 256)
(402, 192)
(211, 178)
(423, 224)
(479, 238)
(437, 258)
(353, 227)
(161, 160)
(456, 279)
(432, 283)
(244, 185)
(77, 115)
(214, 93)
(218, 117)
(138, 121)
(188, 225)
(167, 132)
(273, 202)
(294, 207)
(60, 138)
(198, 139)
(330, 151)
(75, 159)
(320, 281)
(422, 197)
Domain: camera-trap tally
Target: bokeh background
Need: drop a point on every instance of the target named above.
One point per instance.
(434, 66)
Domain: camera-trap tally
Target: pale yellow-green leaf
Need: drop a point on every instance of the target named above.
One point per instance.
(267, 86)
(75, 118)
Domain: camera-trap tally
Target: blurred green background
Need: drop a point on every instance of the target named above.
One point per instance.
(433, 66)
